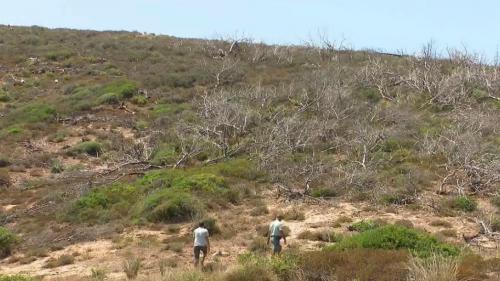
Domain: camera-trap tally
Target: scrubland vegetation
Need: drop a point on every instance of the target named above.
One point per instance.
(104, 132)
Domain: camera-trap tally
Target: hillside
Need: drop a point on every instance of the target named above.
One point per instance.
(113, 145)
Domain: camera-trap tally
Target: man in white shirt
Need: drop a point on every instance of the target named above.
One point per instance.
(201, 244)
(275, 234)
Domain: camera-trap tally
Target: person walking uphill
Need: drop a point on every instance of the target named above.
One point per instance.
(201, 244)
(275, 234)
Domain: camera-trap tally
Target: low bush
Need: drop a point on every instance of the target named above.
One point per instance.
(259, 210)
(355, 264)
(4, 161)
(324, 236)
(324, 193)
(240, 169)
(4, 177)
(251, 272)
(448, 233)
(103, 204)
(212, 226)
(496, 202)
(32, 113)
(60, 261)
(97, 274)
(405, 223)
(495, 224)
(91, 148)
(175, 246)
(59, 55)
(394, 237)
(131, 267)
(259, 245)
(4, 97)
(474, 267)
(56, 167)
(169, 205)
(122, 88)
(183, 275)
(463, 203)
(364, 225)
(341, 220)
(139, 100)
(262, 230)
(441, 223)
(109, 98)
(202, 182)
(294, 215)
(7, 242)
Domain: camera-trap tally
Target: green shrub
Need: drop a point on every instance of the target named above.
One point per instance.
(105, 203)
(169, 205)
(123, 89)
(212, 226)
(4, 97)
(167, 109)
(463, 203)
(59, 55)
(112, 93)
(324, 192)
(7, 242)
(16, 278)
(370, 94)
(56, 167)
(109, 98)
(393, 237)
(364, 225)
(398, 198)
(166, 154)
(139, 100)
(32, 113)
(91, 148)
(14, 130)
(203, 182)
(240, 169)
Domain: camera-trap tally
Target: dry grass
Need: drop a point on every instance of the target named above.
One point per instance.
(294, 215)
(60, 261)
(131, 267)
(435, 268)
(441, 223)
(448, 233)
(321, 235)
(361, 264)
(258, 245)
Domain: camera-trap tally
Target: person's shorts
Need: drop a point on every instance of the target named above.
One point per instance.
(275, 240)
(198, 249)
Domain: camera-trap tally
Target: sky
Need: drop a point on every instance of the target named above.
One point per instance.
(384, 25)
